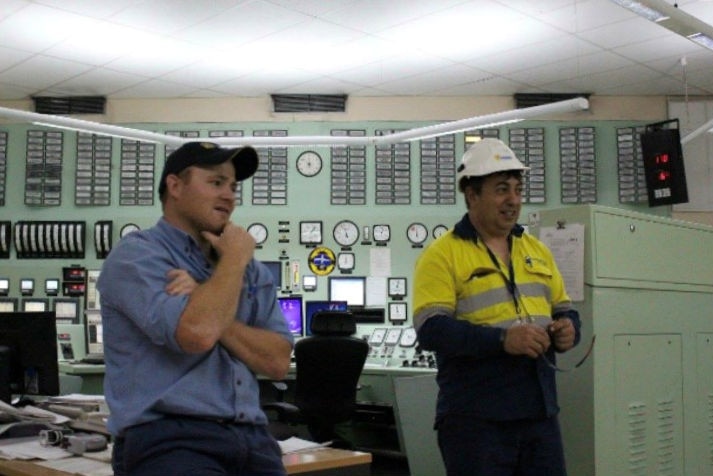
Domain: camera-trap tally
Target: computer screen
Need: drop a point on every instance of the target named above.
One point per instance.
(93, 332)
(275, 268)
(4, 286)
(312, 307)
(28, 354)
(351, 289)
(292, 310)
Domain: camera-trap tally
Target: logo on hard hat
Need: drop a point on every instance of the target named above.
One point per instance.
(502, 157)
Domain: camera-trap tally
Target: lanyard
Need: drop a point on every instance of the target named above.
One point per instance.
(510, 280)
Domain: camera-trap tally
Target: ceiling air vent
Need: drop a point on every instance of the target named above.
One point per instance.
(309, 102)
(538, 99)
(69, 104)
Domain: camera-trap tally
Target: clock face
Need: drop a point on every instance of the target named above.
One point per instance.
(310, 232)
(382, 233)
(346, 233)
(417, 233)
(345, 261)
(309, 163)
(259, 232)
(128, 228)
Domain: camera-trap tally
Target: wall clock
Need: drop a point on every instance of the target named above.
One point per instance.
(309, 163)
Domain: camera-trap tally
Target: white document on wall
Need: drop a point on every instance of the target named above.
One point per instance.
(567, 245)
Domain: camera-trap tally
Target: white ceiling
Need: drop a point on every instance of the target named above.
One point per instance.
(213, 48)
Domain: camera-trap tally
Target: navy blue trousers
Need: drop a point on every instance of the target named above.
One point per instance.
(190, 447)
(474, 447)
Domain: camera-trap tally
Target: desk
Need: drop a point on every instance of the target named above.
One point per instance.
(321, 462)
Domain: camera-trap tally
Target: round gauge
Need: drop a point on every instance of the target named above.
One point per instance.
(438, 230)
(128, 228)
(382, 233)
(309, 163)
(345, 233)
(417, 233)
(408, 337)
(259, 232)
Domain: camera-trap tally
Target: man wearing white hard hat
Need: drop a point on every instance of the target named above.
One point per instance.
(491, 303)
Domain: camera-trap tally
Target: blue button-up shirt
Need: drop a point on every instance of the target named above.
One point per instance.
(148, 375)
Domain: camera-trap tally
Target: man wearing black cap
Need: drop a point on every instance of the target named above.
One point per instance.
(190, 318)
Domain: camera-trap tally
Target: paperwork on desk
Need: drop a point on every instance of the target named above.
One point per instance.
(295, 445)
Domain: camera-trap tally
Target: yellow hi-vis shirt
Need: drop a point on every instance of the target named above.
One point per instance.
(456, 277)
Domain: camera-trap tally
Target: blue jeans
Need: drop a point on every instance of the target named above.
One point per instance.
(191, 447)
(474, 447)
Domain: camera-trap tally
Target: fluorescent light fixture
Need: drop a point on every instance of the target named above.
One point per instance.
(471, 123)
(672, 18)
(642, 10)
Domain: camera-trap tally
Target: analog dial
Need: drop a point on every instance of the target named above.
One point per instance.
(310, 232)
(377, 337)
(128, 228)
(417, 233)
(438, 230)
(382, 233)
(397, 287)
(408, 337)
(259, 232)
(309, 163)
(392, 336)
(397, 312)
(345, 261)
(345, 233)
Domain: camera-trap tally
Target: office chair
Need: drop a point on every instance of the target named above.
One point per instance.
(328, 365)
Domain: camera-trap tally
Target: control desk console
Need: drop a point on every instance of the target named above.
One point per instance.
(397, 347)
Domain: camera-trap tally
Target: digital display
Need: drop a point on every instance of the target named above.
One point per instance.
(51, 287)
(291, 307)
(312, 307)
(27, 286)
(351, 289)
(34, 305)
(4, 286)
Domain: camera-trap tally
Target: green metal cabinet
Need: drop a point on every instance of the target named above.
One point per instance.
(643, 402)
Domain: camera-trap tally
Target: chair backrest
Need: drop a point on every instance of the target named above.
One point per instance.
(329, 363)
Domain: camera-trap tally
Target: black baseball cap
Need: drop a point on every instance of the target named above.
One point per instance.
(245, 160)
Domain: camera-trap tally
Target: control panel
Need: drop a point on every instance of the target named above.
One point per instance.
(397, 347)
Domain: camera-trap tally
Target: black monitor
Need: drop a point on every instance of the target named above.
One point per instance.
(351, 289)
(312, 307)
(28, 354)
(292, 310)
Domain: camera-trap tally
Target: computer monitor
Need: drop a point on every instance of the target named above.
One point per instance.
(312, 307)
(351, 289)
(292, 310)
(4, 286)
(275, 268)
(28, 354)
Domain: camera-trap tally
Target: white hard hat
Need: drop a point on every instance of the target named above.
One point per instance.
(488, 156)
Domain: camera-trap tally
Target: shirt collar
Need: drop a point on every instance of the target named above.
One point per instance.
(464, 229)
